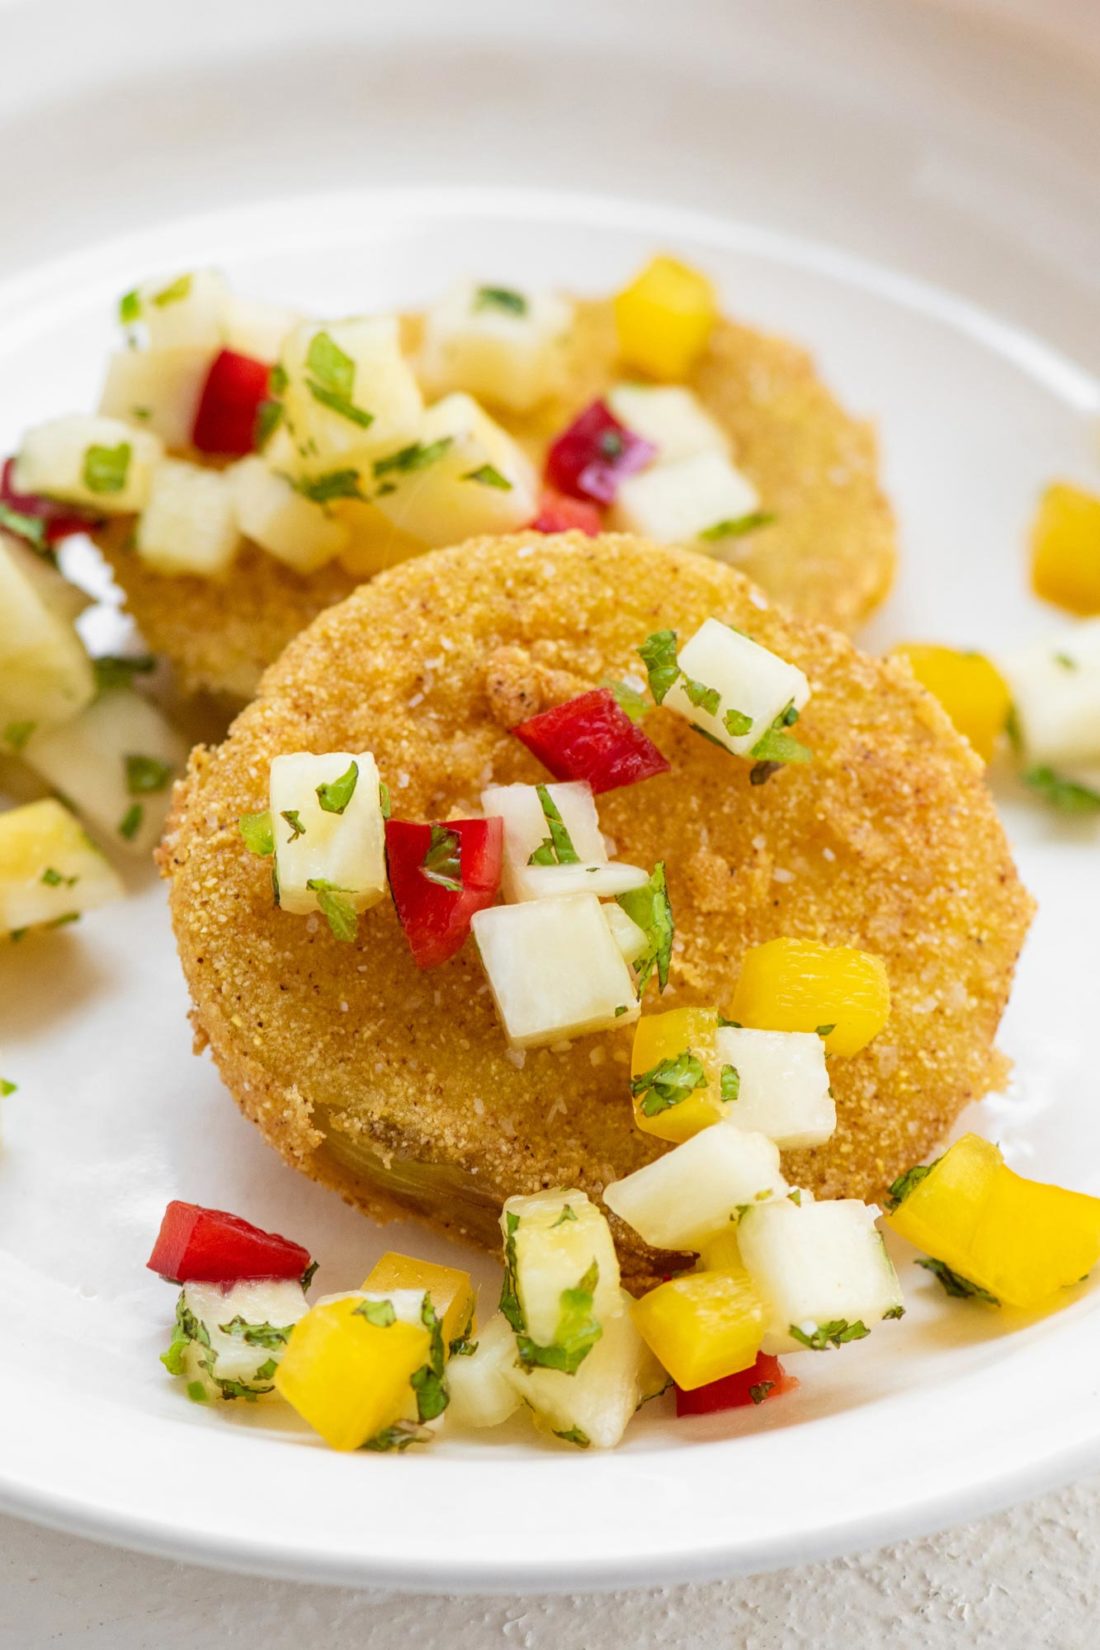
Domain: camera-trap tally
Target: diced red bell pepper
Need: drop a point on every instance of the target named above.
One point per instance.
(59, 520)
(230, 404)
(440, 875)
(596, 453)
(765, 1379)
(592, 738)
(558, 513)
(196, 1245)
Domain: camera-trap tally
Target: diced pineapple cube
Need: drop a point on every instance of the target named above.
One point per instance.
(691, 1193)
(702, 1326)
(330, 835)
(664, 319)
(452, 1293)
(675, 1078)
(796, 985)
(531, 815)
(754, 686)
(593, 1407)
(180, 311)
(630, 939)
(349, 393)
(496, 343)
(281, 521)
(189, 524)
(1055, 689)
(481, 1393)
(464, 476)
(349, 1376)
(374, 543)
(228, 1342)
(99, 462)
(1065, 548)
(48, 868)
(256, 327)
(672, 418)
(554, 970)
(115, 762)
(782, 1084)
(561, 1276)
(157, 390)
(969, 687)
(45, 674)
(822, 1270)
(694, 501)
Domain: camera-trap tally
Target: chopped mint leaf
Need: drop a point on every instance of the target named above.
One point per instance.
(509, 1289)
(442, 863)
(257, 833)
(7, 1086)
(576, 1333)
(294, 820)
(710, 737)
(895, 1312)
(568, 1213)
(462, 1346)
(557, 848)
(668, 1083)
(760, 1391)
(268, 1335)
(723, 1020)
(427, 1382)
(489, 476)
(905, 1183)
(63, 921)
(146, 774)
(339, 405)
(955, 1284)
(737, 722)
(336, 907)
(658, 653)
(335, 794)
(702, 697)
(1066, 662)
(54, 879)
(761, 772)
(16, 734)
(649, 907)
(621, 1009)
(380, 1313)
(174, 293)
(825, 1031)
(730, 1083)
(130, 823)
(1013, 732)
(106, 468)
(415, 457)
(277, 380)
(795, 1197)
(611, 443)
(333, 484)
(197, 1392)
(23, 526)
(834, 1333)
(327, 363)
(309, 1274)
(629, 700)
(129, 308)
(397, 1437)
(112, 670)
(269, 416)
(777, 746)
(502, 298)
(735, 527)
(574, 1435)
(789, 717)
(1066, 795)
(384, 799)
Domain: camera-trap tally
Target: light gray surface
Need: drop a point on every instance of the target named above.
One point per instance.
(1025, 1580)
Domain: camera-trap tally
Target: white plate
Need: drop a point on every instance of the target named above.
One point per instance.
(950, 1412)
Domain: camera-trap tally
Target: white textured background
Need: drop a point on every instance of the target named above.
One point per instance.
(1028, 1579)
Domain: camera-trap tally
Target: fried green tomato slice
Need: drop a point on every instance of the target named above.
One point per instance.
(397, 1087)
(829, 554)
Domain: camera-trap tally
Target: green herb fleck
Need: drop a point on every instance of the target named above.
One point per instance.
(23, 526)
(574, 1435)
(795, 1197)
(658, 653)
(130, 823)
(380, 1313)
(335, 794)
(106, 468)
(701, 696)
(735, 527)
(427, 1382)
(730, 1083)
(557, 848)
(760, 1391)
(7, 1086)
(1064, 794)
(825, 1031)
(16, 734)
(568, 1213)
(384, 801)
(329, 365)
(500, 297)
(628, 699)
(1066, 662)
(834, 1333)
(269, 415)
(509, 1289)
(129, 308)
(146, 775)
(415, 457)
(649, 907)
(54, 879)
(268, 1335)
(398, 1437)
(895, 1312)
(778, 746)
(761, 772)
(174, 293)
(737, 723)
(294, 820)
(339, 405)
(442, 864)
(112, 670)
(257, 833)
(576, 1333)
(336, 907)
(197, 1392)
(333, 484)
(955, 1284)
(669, 1083)
(489, 476)
(907, 1182)
(309, 1274)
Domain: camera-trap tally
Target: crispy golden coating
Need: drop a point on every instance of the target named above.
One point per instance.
(361, 1070)
(829, 555)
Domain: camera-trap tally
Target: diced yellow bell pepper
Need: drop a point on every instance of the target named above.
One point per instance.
(796, 985)
(348, 1377)
(702, 1325)
(664, 319)
(721, 1253)
(1021, 1240)
(971, 690)
(451, 1290)
(660, 1038)
(1065, 548)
